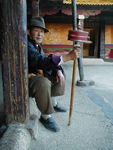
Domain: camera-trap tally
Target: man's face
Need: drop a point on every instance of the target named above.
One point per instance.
(37, 34)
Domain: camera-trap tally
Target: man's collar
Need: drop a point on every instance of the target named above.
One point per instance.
(37, 45)
(31, 40)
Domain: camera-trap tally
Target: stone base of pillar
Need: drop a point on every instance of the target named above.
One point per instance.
(85, 83)
(18, 136)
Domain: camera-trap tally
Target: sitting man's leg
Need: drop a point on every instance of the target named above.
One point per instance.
(57, 90)
(40, 88)
(57, 106)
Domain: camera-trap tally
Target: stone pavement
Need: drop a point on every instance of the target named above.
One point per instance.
(92, 119)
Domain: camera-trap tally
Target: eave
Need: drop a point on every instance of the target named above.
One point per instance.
(89, 2)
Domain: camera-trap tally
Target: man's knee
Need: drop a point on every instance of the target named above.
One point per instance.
(45, 83)
(39, 84)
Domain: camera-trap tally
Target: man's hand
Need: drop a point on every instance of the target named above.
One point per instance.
(75, 53)
(60, 77)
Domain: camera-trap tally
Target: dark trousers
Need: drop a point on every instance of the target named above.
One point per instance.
(42, 88)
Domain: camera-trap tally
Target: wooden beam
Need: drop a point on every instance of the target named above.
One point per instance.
(35, 7)
(14, 60)
(102, 40)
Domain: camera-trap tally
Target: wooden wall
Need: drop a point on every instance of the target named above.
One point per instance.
(58, 34)
(109, 34)
(108, 41)
(56, 40)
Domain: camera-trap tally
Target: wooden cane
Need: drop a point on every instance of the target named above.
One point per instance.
(74, 13)
(77, 36)
(72, 91)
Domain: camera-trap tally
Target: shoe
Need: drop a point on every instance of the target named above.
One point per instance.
(59, 108)
(50, 124)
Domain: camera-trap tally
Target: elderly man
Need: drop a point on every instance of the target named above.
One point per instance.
(52, 83)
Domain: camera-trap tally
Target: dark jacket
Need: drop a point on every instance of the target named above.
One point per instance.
(38, 60)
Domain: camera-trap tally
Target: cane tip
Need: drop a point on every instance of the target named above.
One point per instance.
(69, 123)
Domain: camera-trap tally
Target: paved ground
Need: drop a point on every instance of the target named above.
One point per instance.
(92, 120)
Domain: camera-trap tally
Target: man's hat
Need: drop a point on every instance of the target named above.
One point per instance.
(38, 22)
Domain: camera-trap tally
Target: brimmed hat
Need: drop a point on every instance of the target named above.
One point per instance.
(38, 22)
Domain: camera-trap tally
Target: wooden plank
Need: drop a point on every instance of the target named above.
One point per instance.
(14, 58)
(58, 32)
(111, 34)
(35, 7)
(102, 40)
(107, 34)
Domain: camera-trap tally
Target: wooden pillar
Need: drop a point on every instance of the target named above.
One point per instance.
(14, 60)
(35, 7)
(102, 40)
(96, 40)
(80, 63)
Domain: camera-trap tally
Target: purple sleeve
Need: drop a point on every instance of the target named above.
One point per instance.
(56, 59)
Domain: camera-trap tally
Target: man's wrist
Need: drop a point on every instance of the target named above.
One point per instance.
(65, 58)
(61, 60)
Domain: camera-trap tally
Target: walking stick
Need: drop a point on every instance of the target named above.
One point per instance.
(77, 36)
(74, 14)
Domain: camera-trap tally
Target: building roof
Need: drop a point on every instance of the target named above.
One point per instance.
(90, 2)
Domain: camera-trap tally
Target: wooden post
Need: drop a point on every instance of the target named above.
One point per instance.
(82, 82)
(14, 60)
(80, 63)
(35, 7)
(102, 40)
(74, 14)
